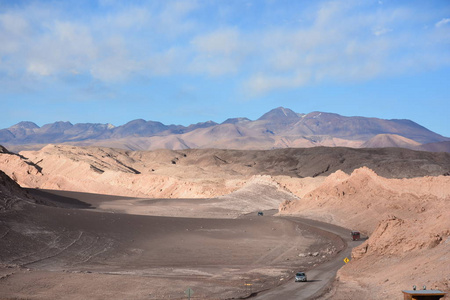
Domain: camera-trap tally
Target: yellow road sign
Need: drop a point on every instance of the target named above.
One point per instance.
(346, 260)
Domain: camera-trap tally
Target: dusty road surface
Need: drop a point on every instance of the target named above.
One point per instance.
(319, 277)
(72, 253)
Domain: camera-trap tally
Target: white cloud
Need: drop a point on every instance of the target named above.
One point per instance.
(39, 68)
(328, 11)
(381, 31)
(442, 22)
(181, 8)
(166, 63)
(173, 19)
(284, 59)
(114, 68)
(336, 41)
(345, 44)
(130, 18)
(214, 66)
(217, 53)
(222, 41)
(110, 47)
(65, 47)
(14, 23)
(262, 83)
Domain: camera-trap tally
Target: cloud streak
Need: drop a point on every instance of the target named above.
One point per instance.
(442, 22)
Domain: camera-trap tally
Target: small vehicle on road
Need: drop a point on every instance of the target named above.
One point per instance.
(260, 213)
(300, 276)
(356, 235)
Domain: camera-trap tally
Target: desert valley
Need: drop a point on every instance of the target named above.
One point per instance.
(218, 150)
(99, 222)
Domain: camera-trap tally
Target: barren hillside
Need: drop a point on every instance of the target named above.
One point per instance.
(12, 196)
(407, 224)
(200, 173)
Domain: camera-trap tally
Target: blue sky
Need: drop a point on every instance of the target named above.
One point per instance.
(183, 62)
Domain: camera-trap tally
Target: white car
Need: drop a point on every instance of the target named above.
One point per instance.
(300, 276)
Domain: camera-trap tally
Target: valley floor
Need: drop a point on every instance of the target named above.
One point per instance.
(48, 252)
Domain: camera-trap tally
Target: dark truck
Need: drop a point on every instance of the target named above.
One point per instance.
(356, 235)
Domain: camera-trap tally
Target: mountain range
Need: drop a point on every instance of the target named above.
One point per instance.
(278, 128)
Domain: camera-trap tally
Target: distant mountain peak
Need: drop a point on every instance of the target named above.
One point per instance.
(60, 125)
(235, 120)
(207, 122)
(25, 125)
(137, 121)
(201, 125)
(280, 114)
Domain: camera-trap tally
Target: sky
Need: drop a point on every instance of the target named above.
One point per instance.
(184, 62)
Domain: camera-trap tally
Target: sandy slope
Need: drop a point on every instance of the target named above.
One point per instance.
(390, 140)
(201, 173)
(258, 194)
(110, 171)
(406, 219)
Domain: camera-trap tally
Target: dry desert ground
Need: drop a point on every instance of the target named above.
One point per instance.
(104, 223)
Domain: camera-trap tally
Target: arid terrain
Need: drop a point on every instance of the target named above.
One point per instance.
(106, 223)
(406, 220)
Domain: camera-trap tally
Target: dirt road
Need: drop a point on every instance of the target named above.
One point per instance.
(319, 277)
